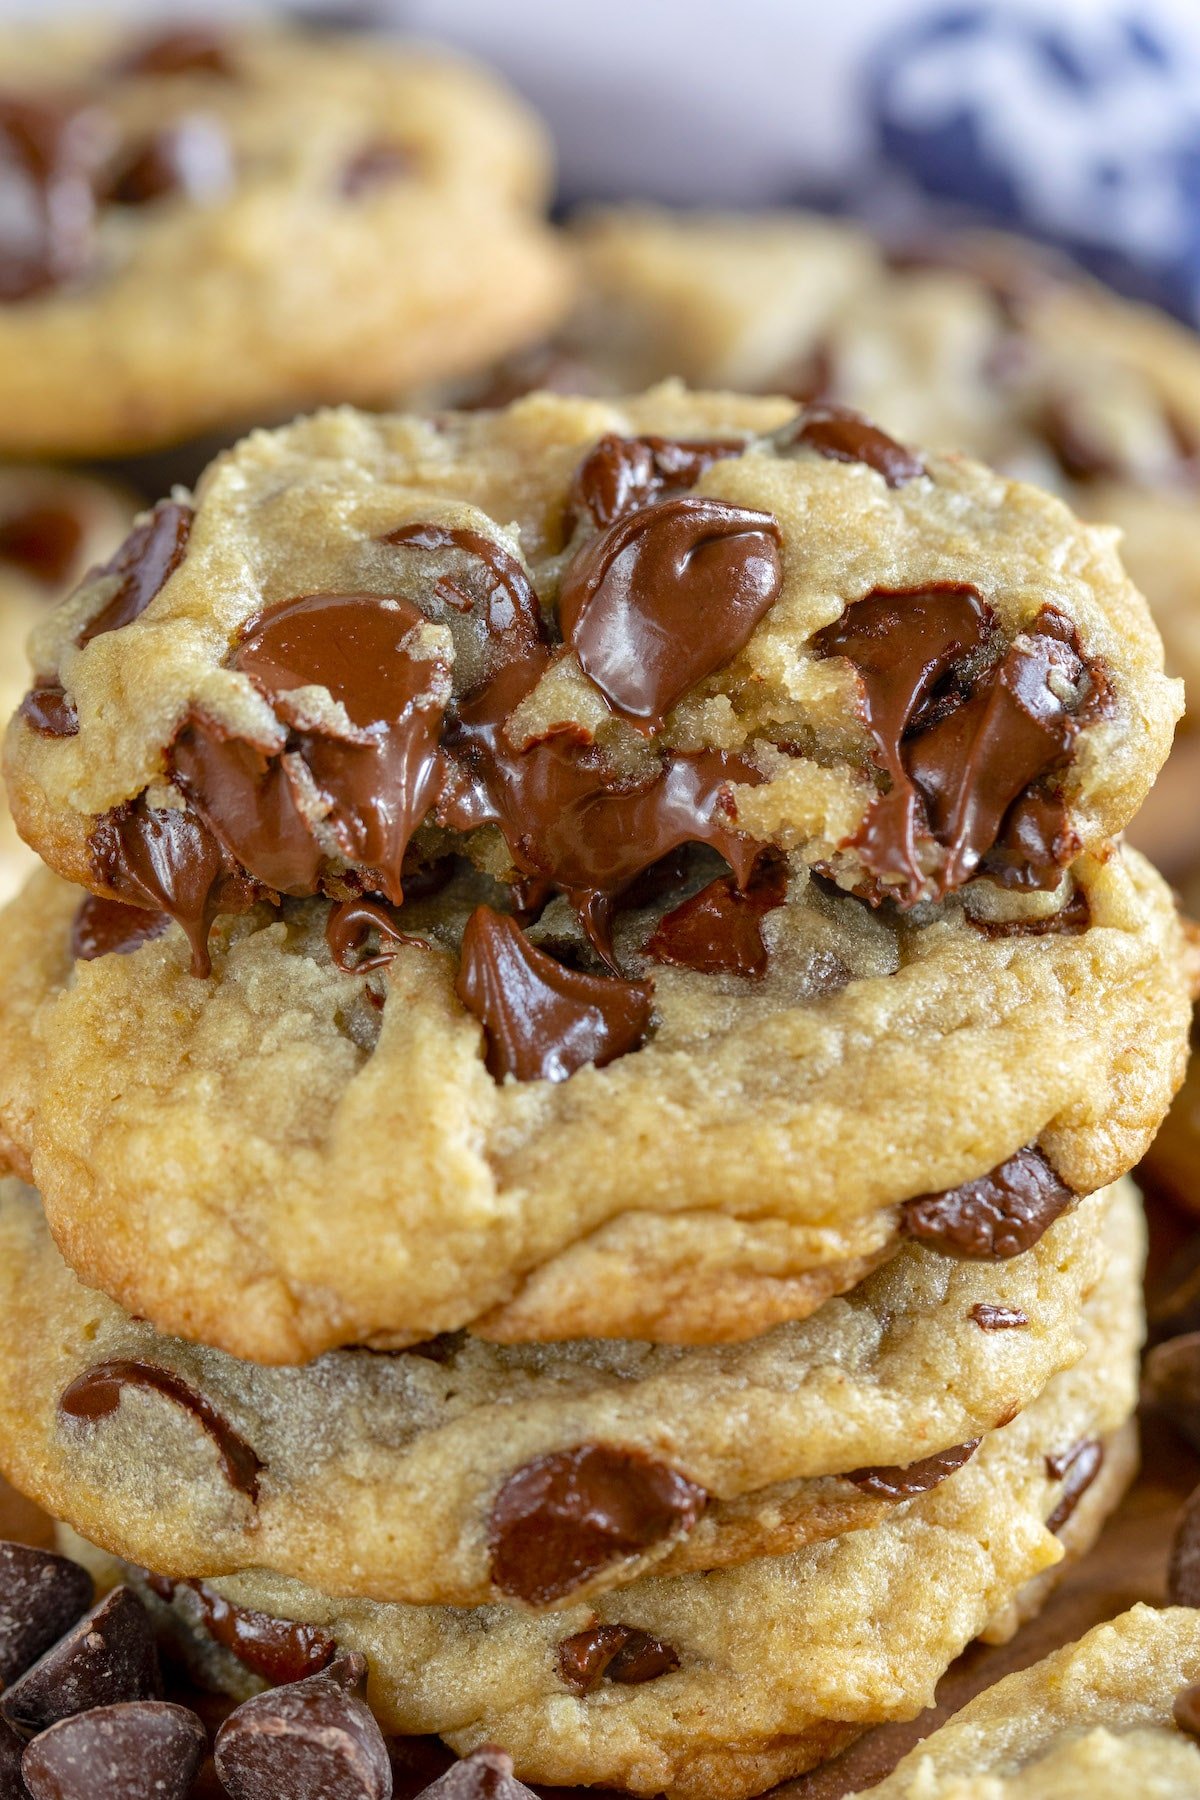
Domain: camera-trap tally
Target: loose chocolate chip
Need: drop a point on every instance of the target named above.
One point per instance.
(719, 930)
(1076, 1468)
(314, 1737)
(191, 157)
(486, 1774)
(48, 155)
(1186, 1710)
(665, 596)
(613, 1653)
(179, 50)
(47, 710)
(621, 475)
(277, 1650)
(141, 568)
(998, 1318)
(124, 1752)
(542, 1021)
(107, 1657)
(41, 1596)
(995, 1217)
(903, 1481)
(12, 1748)
(109, 928)
(843, 435)
(43, 541)
(376, 165)
(97, 1394)
(562, 1518)
(1171, 1381)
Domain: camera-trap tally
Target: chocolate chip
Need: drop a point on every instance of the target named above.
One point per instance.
(43, 541)
(47, 710)
(621, 475)
(486, 1774)
(1183, 1567)
(141, 568)
(1071, 920)
(12, 1749)
(41, 1596)
(191, 157)
(315, 1737)
(1076, 1468)
(665, 596)
(179, 50)
(901, 1482)
(719, 930)
(843, 435)
(1171, 1381)
(349, 926)
(617, 1653)
(1186, 1709)
(106, 1658)
(994, 1217)
(562, 1518)
(542, 1021)
(123, 1752)
(109, 928)
(998, 1318)
(277, 1650)
(376, 165)
(48, 155)
(97, 1394)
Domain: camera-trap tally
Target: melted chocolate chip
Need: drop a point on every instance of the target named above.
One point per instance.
(562, 1518)
(1076, 1468)
(191, 157)
(123, 1752)
(486, 1774)
(277, 1650)
(998, 1318)
(376, 165)
(179, 50)
(622, 475)
(995, 1217)
(664, 597)
(902, 1482)
(165, 860)
(106, 1658)
(843, 435)
(97, 1394)
(371, 776)
(47, 710)
(350, 924)
(141, 568)
(109, 928)
(42, 541)
(966, 729)
(48, 154)
(1186, 1709)
(613, 1653)
(541, 1020)
(315, 1737)
(719, 930)
(1183, 1568)
(1071, 920)
(41, 1596)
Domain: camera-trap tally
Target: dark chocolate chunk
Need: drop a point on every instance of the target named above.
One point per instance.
(665, 596)
(110, 928)
(542, 1020)
(1183, 1568)
(314, 1737)
(719, 930)
(1076, 1468)
(621, 475)
(131, 1751)
(486, 1774)
(843, 435)
(49, 153)
(179, 50)
(12, 1749)
(562, 1518)
(97, 1394)
(107, 1657)
(276, 1650)
(141, 568)
(903, 1481)
(376, 165)
(1171, 1381)
(998, 1318)
(43, 541)
(617, 1653)
(41, 1596)
(1186, 1710)
(47, 710)
(191, 158)
(995, 1217)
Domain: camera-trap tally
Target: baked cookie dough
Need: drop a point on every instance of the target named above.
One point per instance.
(731, 1681)
(251, 219)
(53, 526)
(392, 1476)
(1102, 1719)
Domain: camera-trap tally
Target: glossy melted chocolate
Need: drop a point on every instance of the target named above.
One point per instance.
(108, 928)
(618, 1653)
(998, 1216)
(141, 568)
(843, 435)
(901, 1483)
(622, 475)
(719, 930)
(277, 1650)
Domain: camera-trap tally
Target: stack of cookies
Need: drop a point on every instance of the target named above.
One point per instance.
(572, 1065)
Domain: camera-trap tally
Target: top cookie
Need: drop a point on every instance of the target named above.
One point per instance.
(249, 220)
(571, 637)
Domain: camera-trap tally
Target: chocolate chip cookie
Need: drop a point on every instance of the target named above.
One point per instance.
(730, 1681)
(250, 219)
(404, 1477)
(1114, 1715)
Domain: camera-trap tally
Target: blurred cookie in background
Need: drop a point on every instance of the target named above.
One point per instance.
(54, 526)
(251, 220)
